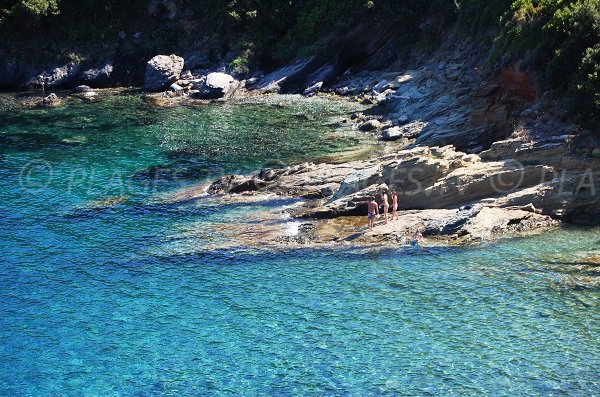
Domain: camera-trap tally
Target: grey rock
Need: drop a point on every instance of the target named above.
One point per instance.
(196, 61)
(451, 225)
(50, 101)
(272, 82)
(313, 89)
(252, 81)
(490, 221)
(162, 71)
(342, 91)
(503, 149)
(176, 87)
(83, 88)
(186, 74)
(370, 125)
(392, 134)
(321, 74)
(235, 184)
(413, 130)
(56, 77)
(453, 72)
(381, 86)
(84, 92)
(98, 77)
(368, 101)
(218, 85)
(197, 83)
(183, 83)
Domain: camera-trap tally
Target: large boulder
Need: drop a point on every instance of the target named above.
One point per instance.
(218, 85)
(162, 71)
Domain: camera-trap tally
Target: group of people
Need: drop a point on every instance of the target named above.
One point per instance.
(373, 207)
(373, 212)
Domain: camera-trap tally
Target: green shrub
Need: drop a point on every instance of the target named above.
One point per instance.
(560, 39)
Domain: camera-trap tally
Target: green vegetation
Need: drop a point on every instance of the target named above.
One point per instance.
(560, 39)
(252, 33)
(33, 7)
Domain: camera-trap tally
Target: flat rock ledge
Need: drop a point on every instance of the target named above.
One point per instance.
(439, 227)
(448, 195)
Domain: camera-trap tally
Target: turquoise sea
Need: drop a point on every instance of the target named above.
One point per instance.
(109, 289)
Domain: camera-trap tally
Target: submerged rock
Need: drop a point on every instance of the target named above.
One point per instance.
(50, 101)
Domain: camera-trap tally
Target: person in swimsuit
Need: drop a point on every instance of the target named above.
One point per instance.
(394, 205)
(417, 237)
(373, 211)
(386, 206)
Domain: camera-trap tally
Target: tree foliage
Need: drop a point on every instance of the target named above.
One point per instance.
(561, 40)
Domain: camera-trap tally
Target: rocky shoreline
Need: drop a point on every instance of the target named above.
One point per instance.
(507, 166)
(476, 156)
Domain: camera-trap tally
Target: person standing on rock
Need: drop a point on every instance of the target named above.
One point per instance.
(373, 210)
(394, 205)
(386, 206)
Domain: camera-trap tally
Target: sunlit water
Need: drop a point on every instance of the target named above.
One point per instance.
(137, 297)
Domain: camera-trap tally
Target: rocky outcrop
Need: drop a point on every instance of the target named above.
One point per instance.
(456, 226)
(308, 76)
(218, 85)
(564, 186)
(306, 180)
(55, 77)
(445, 101)
(98, 77)
(162, 71)
(272, 81)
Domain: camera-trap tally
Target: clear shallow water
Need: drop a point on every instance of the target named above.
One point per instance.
(133, 300)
